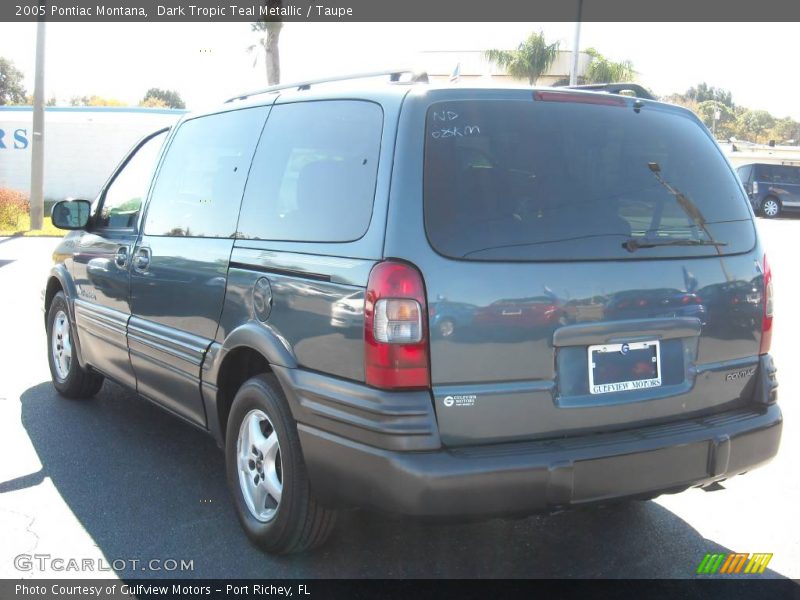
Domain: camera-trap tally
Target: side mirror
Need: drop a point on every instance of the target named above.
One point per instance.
(71, 214)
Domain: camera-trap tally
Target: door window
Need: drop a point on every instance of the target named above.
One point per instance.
(199, 187)
(124, 197)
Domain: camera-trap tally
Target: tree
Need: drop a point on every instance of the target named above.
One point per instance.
(784, 131)
(704, 92)
(12, 90)
(94, 101)
(707, 110)
(158, 98)
(602, 70)
(270, 30)
(753, 123)
(530, 60)
(152, 102)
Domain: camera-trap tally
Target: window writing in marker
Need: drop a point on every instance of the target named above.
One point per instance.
(451, 132)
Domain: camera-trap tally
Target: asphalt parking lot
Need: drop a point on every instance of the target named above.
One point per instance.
(115, 478)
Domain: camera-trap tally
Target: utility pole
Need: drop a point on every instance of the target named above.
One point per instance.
(37, 144)
(576, 47)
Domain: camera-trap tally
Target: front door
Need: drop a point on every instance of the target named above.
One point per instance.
(102, 260)
(180, 262)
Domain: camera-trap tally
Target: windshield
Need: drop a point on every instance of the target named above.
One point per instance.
(538, 180)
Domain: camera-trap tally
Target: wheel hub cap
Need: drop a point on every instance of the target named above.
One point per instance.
(61, 345)
(259, 464)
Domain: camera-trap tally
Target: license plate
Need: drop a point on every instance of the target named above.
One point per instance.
(624, 367)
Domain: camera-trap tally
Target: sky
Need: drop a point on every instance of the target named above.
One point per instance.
(208, 62)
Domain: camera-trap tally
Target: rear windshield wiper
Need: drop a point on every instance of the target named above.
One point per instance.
(633, 244)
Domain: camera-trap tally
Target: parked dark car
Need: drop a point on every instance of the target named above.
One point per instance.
(772, 189)
(447, 319)
(654, 303)
(278, 271)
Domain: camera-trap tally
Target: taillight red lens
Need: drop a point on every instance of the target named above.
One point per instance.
(766, 322)
(396, 328)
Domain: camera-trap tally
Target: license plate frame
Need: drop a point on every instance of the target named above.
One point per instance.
(624, 348)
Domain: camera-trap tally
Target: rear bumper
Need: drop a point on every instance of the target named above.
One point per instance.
(523, 478)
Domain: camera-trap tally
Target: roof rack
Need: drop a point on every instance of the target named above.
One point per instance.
(615, 88)
(394, 76)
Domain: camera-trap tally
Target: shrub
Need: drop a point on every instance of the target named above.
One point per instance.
(13, 205)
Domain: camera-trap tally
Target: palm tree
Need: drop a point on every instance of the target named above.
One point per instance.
(602, 70)
(530, 60)
(271, 31)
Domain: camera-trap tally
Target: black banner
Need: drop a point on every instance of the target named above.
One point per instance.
(385, 589)
(400, 11)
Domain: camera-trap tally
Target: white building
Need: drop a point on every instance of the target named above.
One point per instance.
(742, 153)
(82, 145)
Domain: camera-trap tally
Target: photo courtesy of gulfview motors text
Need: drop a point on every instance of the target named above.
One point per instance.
(265, 590)
(342, 292)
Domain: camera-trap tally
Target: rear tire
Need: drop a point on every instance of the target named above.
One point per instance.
(770, 207)
(69, 378)
(267, 475)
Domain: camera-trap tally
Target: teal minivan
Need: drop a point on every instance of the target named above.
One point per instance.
(440, 301)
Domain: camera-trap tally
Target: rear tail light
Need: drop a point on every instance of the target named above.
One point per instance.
(395, 328)
(766, 322)
(397, 321)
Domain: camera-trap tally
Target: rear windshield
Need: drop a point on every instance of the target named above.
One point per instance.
(539, 180)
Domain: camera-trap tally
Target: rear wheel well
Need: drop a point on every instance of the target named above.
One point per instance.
(53, 287)
(239, 365)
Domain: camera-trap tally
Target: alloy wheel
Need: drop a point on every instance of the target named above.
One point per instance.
(259, 465)
(61, 345)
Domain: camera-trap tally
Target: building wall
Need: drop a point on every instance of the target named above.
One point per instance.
(82, 145)
(742, 153)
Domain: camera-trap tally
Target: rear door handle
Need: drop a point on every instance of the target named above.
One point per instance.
(141, 260)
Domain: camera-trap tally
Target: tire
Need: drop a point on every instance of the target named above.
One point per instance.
(278, 512)
(770, 207)
(68, 377)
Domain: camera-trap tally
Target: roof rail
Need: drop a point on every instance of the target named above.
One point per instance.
(394, 76)
(615, 88)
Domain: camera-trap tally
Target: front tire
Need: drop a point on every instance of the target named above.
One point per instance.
(69, 378)
(770, 207)
(267, 475)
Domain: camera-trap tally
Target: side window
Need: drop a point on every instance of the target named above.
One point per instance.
(123, 198)
(313, 176)
(199, 187)
(786, 175)
(744, 173)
